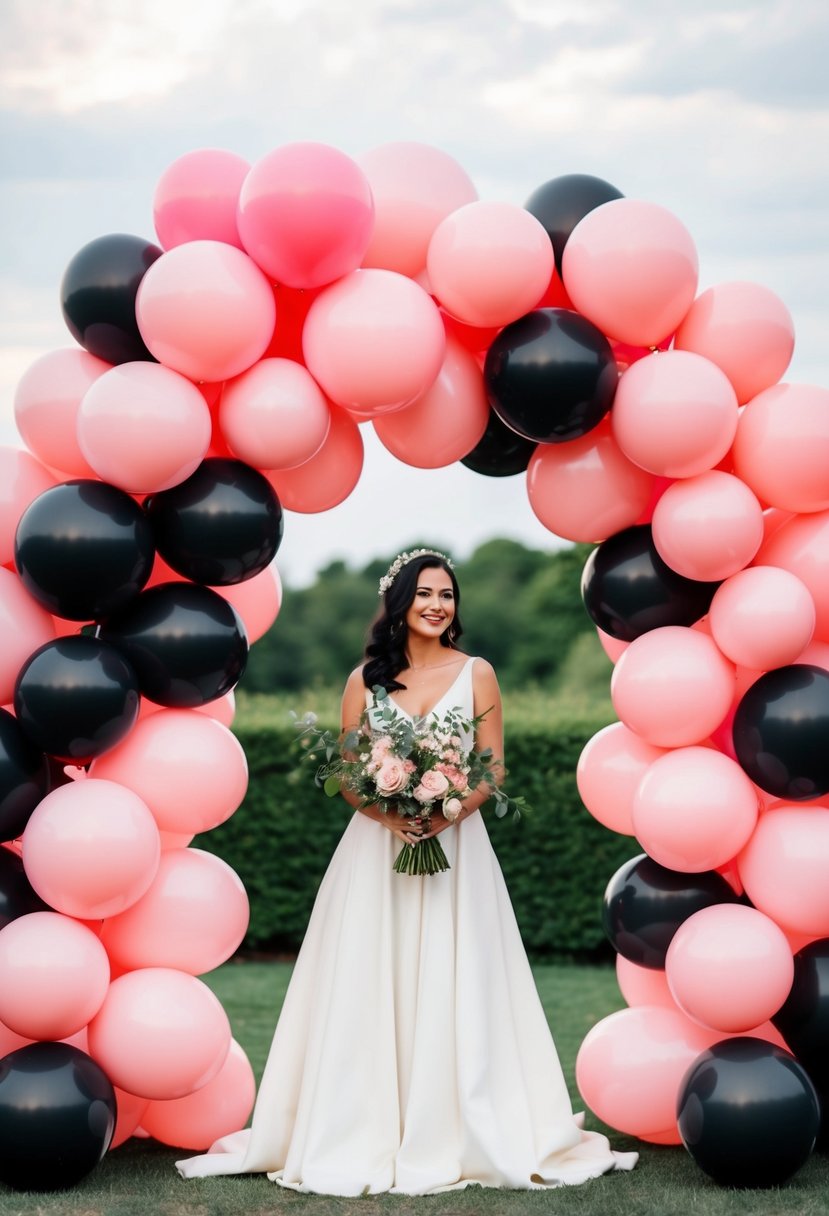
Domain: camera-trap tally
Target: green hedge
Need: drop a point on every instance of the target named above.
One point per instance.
(556, 861)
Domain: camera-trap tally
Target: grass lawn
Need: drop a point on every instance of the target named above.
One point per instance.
(138, 1178)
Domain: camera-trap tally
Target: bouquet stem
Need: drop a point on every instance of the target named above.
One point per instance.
(425, 857)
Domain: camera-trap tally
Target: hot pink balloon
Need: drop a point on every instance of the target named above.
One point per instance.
(374, 341)
(675, 414)
(257, 600)
(762, 617)
(220, 1107)
(306, 214)
(802, 546)
(24, 626)
(22, 478)
(745, 329)
(206, 310)
(784, 866)
(274, 416)
(781, 449)
(642, 985)
(46, 403)
(609, 770)
(631, 268)
(327, 478)
(708, 527)
(197, 196)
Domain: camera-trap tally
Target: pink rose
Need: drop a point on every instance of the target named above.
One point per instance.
(452, 807)
(433, 785)
(380, 748)
(391, 777)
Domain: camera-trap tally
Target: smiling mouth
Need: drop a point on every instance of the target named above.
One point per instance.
(434, 620)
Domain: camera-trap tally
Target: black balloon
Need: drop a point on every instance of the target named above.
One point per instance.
(76, 697)
(57, 1116)
(551, 375)
(781, 732)
(628, 590)
(500, 452)
(221, 526)
(645, 903)
(24, 777)
(98, 296)
(17, 895)
(748, 1113)
(803, 1019)
(84, 549)
(559, 204)
(187, 644)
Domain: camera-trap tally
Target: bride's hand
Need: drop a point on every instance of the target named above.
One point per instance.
(403, 827)
(438, 823)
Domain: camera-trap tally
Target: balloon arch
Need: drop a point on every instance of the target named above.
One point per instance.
(222, 375)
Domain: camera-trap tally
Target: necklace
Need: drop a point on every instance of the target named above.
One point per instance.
(432, 666)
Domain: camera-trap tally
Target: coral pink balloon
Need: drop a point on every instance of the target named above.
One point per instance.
(801, 546)
(206, 311)
(374, 341)
(816, 653)
(675, 414)
(781, 449)
(327, 478)
(274, 416)
(189, 769)
(257, 600)
(745, 329)
(9, 1041)
(24, 626)
(143, 427)
(54, 975)
(784, 868)
(631, 268)
(762, 617)
(708, 527)
(414, 186)
(46, 403)
(90, 848)
(220, 1107)
(587, 489)
(609, 770)
(489, 263)
(223, 709)
(612, 647)
(694, 809)
(672, 686)
(446, 422)
(306, 214)
(729, 967)
(197, 196)
(159, 1034)
(642, 985)
(22, 478)
(130, 1113)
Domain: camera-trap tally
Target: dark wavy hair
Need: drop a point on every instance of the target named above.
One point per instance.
(386, 648)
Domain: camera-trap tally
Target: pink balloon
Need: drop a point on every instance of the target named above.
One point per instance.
(130, 1113)
(729, 967)
(801, 546)
(784, 866)
(223, 709)
(694, 809)
(257, 600)
(274, 416)
(745, 329)
(54, 975)
(612, 647)
(489, 263)
(672, 686)
(143, 427)
(22, 478)
(781, 449)
(374, 341)
(24, 626)
(707, 527)
(327, 478)
(159, 1034)
(185, 766)
(306, 214)
(220, 1107)
(816, 653)
(642, 985)
(674, 414)
(46, 403)
(205, 310)
(197, 196)
(587, 489)
(762, 617)
(609, 770)
(446, 422)
(90, 848)
(631, 268)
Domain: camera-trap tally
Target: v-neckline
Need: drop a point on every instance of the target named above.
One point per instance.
(440, 698)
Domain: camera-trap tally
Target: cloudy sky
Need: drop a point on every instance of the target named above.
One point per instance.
(716, 109)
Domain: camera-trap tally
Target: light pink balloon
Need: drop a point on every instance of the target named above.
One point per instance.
(24, 626)
(159, 1034)
(54, 975)
(185, 766)
(130, 1113)
(220, 1107)
(781, 449)
(707, 527)
(674, 414)
(46, 403)
(802, 546)
(90, 848)
(612, 647)
(609, 770)
(22, 479)
(257, 600)
(784, 866)
(374, 341)
(489, 263)
(694, 809)
(306, 214)
(745, 329)
(631, 268)
(143, 427)
(762, 617)
(274, 416)
(642, 985)
(672, 686)
(327, 478)
(196, 198)
(587, 489)
(206, 310)
(446, 422)
(729, 967)
(414, 186)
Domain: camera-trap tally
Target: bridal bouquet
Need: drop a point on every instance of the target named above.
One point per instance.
(409, 766)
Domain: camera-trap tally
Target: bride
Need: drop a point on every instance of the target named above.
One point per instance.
(412, 1053)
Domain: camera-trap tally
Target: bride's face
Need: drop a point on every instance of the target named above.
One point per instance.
(432, 610)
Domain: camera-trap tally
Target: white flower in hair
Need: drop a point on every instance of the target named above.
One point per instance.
(402, 560)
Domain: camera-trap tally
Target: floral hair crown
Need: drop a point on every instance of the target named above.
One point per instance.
(402, 560)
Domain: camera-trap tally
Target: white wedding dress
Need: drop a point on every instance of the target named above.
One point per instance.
(412, 1053)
